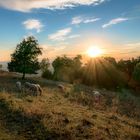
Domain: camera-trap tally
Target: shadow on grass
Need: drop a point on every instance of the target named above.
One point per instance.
(29, 127)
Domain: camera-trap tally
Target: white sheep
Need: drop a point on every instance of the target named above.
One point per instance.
(35, 88)
(97, 96)
(61, 87)
(18, 85)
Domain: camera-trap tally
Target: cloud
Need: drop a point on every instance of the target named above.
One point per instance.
(28, 5)
(137, 44)
(60, 35)
(31, 24)
(79, 19)
(114, 21)
(73, 36)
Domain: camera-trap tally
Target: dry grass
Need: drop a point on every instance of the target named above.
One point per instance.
(72, 115)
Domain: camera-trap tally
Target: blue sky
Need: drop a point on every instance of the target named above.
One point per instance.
(71, 26)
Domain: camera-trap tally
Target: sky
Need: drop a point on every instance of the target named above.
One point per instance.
(71, 26)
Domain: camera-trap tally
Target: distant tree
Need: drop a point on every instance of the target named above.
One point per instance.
(60, 64)
(24, 59)
(111, 60)
(136, 73)
(98, 72)
(44, 66)
(0, 66)
(66, 68)
(126, 66)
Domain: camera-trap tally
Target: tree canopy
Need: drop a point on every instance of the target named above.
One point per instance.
(136, 73)
(66, 68)
(24, 59)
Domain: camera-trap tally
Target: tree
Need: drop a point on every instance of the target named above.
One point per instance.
(66, 68)
(101, 73)
(0, 66)
(44, 66)
(128, 66)
(24, 59)
(60, 65)
(136, 73)
(111, 60)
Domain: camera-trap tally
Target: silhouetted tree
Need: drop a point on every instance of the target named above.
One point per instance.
(111, 60)
(128, 66)
(24, 59)
(136, 73)
(100, 72)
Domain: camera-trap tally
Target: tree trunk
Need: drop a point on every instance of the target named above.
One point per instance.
(23, 76)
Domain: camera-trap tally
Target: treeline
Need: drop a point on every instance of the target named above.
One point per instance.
(100, 72)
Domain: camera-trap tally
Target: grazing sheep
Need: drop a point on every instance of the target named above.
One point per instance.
(61, 87)
(35, 88)
(97, 96)
(18, 85)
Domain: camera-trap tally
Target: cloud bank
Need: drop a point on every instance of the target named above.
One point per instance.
(28, 5)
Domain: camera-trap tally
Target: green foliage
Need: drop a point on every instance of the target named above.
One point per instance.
(47, 74)
(111, 60)
(0, 66)
(101, 72)
(128, 65)
(66, 68)
(136, 73)
(44, 65)
(24, 59)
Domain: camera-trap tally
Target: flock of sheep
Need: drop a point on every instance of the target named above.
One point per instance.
(33, 88)
(36, 89)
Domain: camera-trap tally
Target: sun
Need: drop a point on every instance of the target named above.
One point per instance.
(94, 51)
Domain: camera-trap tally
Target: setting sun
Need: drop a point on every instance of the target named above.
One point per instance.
(94, 51)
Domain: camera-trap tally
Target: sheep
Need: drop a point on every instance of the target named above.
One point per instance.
(97, 96)
(61, 87)
(35, 88)
(18, 85)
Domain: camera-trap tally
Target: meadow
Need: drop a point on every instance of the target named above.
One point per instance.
(71, 115)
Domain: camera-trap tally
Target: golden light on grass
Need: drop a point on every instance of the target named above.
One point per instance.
(94, 51)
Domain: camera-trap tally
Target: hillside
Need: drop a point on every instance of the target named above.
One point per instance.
(71, 115)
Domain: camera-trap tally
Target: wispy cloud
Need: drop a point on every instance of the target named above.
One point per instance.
(31, 24)
(74, 36)
(60, 35)
(114, 21)
(137, 44)
(79, 19)
(28, 5)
